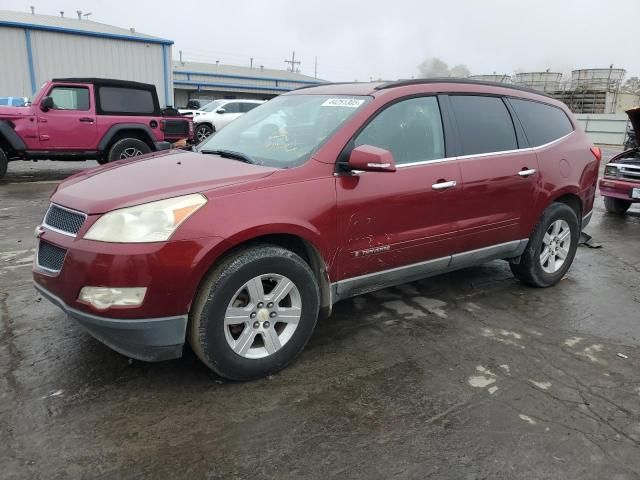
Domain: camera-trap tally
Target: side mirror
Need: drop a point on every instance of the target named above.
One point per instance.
(368, 158)
(46, 104)
(220, 111)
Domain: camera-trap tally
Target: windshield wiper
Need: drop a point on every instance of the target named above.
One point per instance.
(231, 154)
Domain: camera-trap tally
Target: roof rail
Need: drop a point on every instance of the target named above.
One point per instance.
(466, 81)
(327, 84)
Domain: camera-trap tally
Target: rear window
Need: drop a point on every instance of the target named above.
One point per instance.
(126, 100)
(485, 124)
(542, 123)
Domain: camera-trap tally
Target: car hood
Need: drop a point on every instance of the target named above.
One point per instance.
(12, 111)
(634, 118)
(152, 177)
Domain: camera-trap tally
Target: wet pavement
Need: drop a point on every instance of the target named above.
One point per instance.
(464, 376)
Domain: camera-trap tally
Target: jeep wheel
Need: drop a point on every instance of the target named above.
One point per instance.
(3, 163)
(254, 313)
(551, 248)
(203, 132)
(127, 148)
(616, 206)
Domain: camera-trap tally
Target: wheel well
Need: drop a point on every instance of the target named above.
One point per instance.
(130, 133)
(572, 201)
(304, 250)
(208, 124)
(4, 145)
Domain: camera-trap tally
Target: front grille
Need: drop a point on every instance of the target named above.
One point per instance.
(630, 173)
(50, 257)
(64, 220)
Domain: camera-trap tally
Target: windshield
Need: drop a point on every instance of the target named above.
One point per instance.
(285, 131)
(211, 106)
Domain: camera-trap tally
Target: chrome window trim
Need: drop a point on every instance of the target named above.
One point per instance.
(57, 230)
(488, 154)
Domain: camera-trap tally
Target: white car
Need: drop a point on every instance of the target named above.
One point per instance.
(220, 115)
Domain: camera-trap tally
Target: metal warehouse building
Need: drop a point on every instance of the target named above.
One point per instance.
(212, 81)
(35, 48)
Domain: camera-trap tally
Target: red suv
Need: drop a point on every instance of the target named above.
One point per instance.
(89, 118)
(318, 195)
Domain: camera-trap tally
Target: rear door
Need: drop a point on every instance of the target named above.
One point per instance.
(499, 172)
(391, 220)
(71, 123)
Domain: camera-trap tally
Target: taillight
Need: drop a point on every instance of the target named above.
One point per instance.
(596, 153)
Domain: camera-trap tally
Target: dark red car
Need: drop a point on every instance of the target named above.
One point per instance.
(620, 186)
(318, 195)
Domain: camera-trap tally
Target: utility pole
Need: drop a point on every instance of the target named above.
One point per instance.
(180, 53)
(293, 62)
(315, 70)
(251, 64)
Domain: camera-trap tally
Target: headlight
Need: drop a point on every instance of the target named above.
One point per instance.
(150, 222)
(611, 171)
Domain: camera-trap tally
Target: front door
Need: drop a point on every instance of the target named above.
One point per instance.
(71, 123)
(231, 112)
(398, 219)
(499, 176)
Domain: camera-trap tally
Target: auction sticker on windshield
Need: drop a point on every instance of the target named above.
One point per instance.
(343, 102)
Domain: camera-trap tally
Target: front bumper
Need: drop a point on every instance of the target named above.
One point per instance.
(147, 339)
(616, 188)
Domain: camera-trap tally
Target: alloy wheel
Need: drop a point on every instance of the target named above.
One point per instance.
(555, 246)
(130, 152)
(262, 316)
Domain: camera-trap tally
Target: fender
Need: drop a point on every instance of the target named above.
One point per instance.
(115, 129)
(11, 136)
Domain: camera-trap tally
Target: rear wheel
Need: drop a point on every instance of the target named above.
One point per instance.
(4, 161)
(127, 148)
(616, 206)
(203, 131)
(551, 248)
(254, 313)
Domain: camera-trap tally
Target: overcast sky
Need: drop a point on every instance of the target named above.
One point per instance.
(381, 39)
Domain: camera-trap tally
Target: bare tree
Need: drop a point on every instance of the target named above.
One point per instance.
(435, 67)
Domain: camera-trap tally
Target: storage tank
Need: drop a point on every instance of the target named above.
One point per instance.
(543, 81)
(606, 79)
(491, 78)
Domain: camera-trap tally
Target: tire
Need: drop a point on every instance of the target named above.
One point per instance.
(243, 348)
(127, 148)
(616, 206)
(4, 162)
(533, 269)
(202, 132)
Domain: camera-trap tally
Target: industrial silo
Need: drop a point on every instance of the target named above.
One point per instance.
(542, 81)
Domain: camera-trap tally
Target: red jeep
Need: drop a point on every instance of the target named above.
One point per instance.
(313, 197)
(89, 118)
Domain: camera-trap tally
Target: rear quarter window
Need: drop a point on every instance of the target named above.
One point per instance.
(126, 100)
(542, 123)
(484, 124)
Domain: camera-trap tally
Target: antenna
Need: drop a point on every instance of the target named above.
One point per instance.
(293, 62)
(79, 12)
(33, 10)
(86, 15)
(61, 13)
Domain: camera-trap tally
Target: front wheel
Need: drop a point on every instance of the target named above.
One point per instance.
(203, 132)
(254, 313)
(616, 206)
(551, 248)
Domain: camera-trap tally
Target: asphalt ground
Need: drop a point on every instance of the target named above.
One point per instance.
(468, 375)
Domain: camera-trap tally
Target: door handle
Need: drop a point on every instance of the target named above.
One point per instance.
(87, 119)
(444, 185)
(527, 172)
